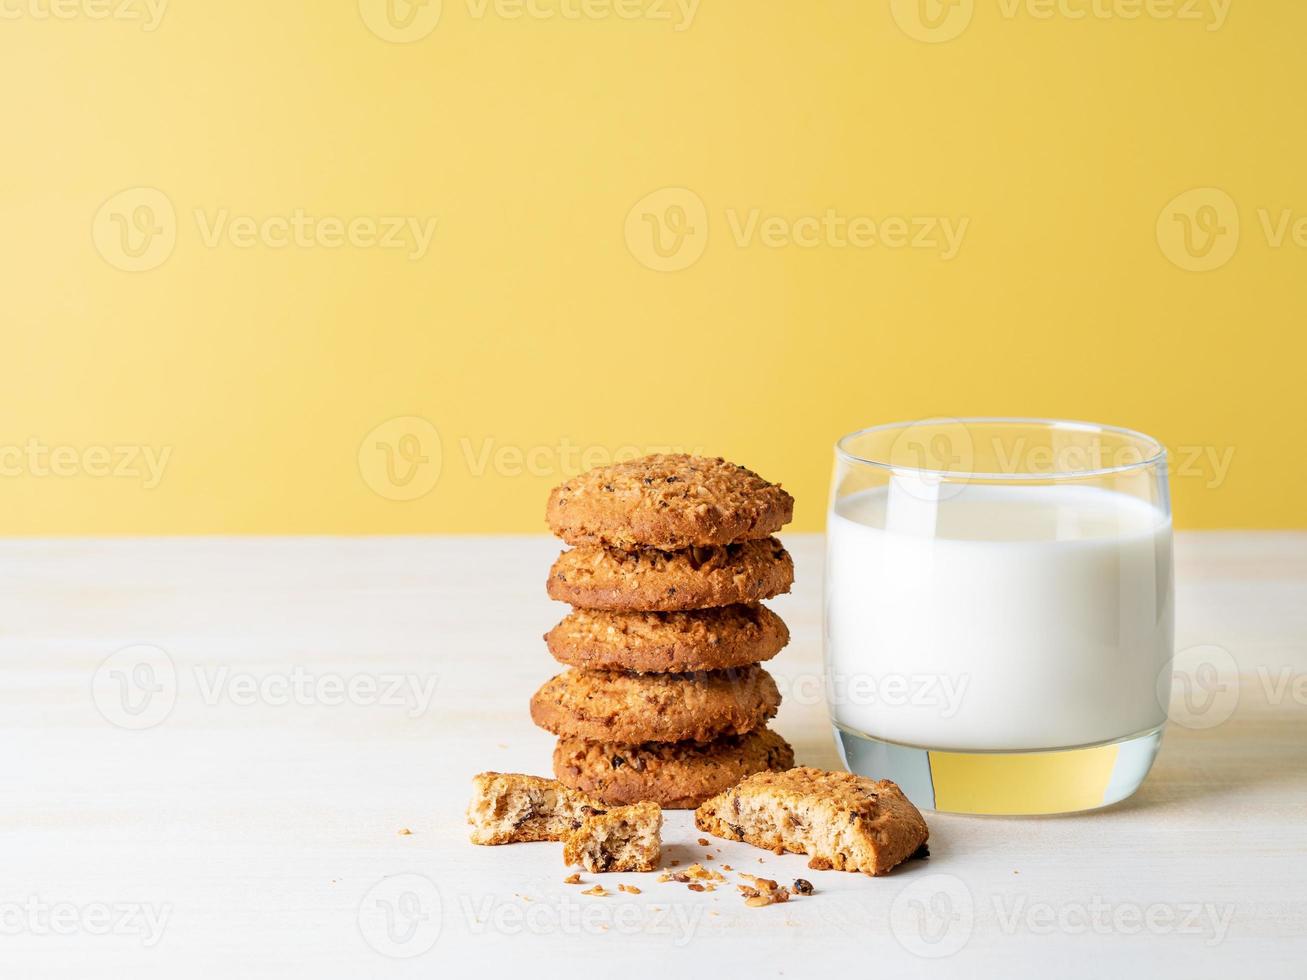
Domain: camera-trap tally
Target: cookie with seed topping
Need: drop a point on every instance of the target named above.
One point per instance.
(668, 501)
(841, 821)
(594, 577)
(615, 706)
(668, 642)
(676, 775)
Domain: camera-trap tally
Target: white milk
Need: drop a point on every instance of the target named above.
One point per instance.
(1005, 617)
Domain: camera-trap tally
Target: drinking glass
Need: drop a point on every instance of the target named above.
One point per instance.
(999, 611)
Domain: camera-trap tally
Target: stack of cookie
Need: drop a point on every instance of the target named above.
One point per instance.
(665, 700)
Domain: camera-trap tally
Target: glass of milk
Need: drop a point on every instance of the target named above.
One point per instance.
(999, 611)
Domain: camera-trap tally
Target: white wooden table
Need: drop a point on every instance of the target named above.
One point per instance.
(244, 819)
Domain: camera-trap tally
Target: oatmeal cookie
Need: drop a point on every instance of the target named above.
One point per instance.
(668, 642)
(508, 808)
(841, 821)
(675, 775)
(615, 706)
(626, 838)
(667, 501)
(594, 577)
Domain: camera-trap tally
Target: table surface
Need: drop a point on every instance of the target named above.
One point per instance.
(214, 745)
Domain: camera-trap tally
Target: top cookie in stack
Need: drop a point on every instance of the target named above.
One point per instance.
(668, 502)
(665, 700)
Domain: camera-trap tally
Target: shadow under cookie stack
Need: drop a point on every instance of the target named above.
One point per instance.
(665, 700)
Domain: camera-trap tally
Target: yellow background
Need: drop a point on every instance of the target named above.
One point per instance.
(532, 324)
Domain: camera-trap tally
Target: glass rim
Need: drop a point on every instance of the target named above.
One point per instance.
(1153, 458)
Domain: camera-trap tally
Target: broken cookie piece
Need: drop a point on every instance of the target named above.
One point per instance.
(508, 808)
(626, 838)
(841, 821)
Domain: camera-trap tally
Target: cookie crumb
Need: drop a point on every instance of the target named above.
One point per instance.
(629, 889)
(802, 886)
(699, 872)
(758, 897)
(405, 832)
(573, 879)
(596, 890)
(763, 891)
(703, 841)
